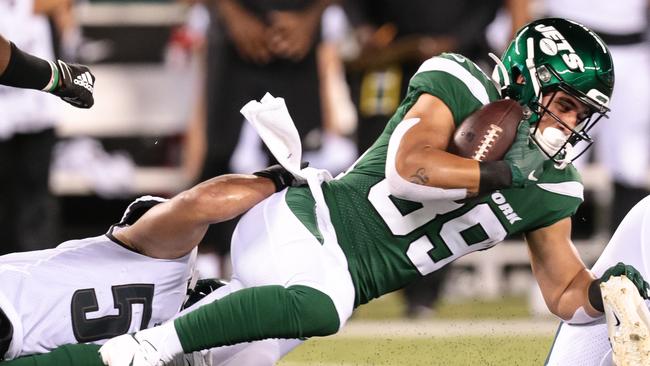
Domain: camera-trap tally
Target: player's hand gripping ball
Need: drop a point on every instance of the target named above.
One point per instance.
(488, 133)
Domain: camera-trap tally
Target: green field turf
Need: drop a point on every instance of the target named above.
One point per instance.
(499, 349)
(391, 306)
(447, 351)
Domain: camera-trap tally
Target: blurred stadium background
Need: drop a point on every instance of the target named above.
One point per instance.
(133, 142)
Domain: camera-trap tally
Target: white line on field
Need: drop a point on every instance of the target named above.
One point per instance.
(448, 328)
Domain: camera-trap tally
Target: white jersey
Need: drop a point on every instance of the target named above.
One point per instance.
(24, 110)
(588, 345)
(87, 290)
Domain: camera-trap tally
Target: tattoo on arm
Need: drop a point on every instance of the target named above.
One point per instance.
(420, 177)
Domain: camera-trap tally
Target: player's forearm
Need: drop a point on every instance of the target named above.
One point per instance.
(225, 197)
(22, 70)
(560, 273)
(436, 168)
(574, 299)
(172, 229)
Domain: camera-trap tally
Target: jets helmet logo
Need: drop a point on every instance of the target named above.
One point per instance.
(554, 42)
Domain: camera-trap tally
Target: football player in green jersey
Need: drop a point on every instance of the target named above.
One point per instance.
(305, 257)
(408, 207)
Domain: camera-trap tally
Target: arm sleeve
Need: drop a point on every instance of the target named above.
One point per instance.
(69, 355)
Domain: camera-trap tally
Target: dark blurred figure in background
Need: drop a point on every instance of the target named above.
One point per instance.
(624, 152)
(254, 47)
(395, 38)
(27, 120)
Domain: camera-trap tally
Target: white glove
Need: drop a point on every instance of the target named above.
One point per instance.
(156, 346)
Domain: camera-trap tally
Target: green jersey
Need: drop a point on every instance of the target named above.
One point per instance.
(388, 241)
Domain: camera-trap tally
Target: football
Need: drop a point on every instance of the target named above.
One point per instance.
(486, 135)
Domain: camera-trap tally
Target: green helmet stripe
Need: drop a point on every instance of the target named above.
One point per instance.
(450, 67)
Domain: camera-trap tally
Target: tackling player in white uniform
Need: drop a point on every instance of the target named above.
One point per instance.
(135, 276)
(588, 344)
(87, 290)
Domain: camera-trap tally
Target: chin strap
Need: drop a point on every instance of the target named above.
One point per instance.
(568, 157)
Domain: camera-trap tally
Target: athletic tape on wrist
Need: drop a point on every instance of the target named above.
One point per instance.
(54, 79)
(494, 175)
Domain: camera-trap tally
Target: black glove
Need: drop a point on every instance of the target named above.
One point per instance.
(281, 177)
(76, 84)
(202, 289)
(620, 269)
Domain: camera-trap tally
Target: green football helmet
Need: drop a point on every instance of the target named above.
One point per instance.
(553, 54)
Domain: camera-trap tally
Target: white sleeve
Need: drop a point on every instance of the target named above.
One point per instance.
(16, 345)
(400, 187)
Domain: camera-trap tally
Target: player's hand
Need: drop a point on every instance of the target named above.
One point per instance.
(76, 84)
(622, 269)
(281, 177)
(155, 346)
(523, 157)
(119, 351)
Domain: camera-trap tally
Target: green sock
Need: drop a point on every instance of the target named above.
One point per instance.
(69, 355)
(258, 313)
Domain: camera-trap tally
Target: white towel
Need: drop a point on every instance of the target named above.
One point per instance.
(272, 121)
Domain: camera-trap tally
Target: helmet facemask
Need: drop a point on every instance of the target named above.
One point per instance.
(557, 146)
(561, 148)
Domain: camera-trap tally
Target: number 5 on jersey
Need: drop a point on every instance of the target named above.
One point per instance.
(84, 302)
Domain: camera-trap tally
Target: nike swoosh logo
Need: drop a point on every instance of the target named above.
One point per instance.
(531, 176)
